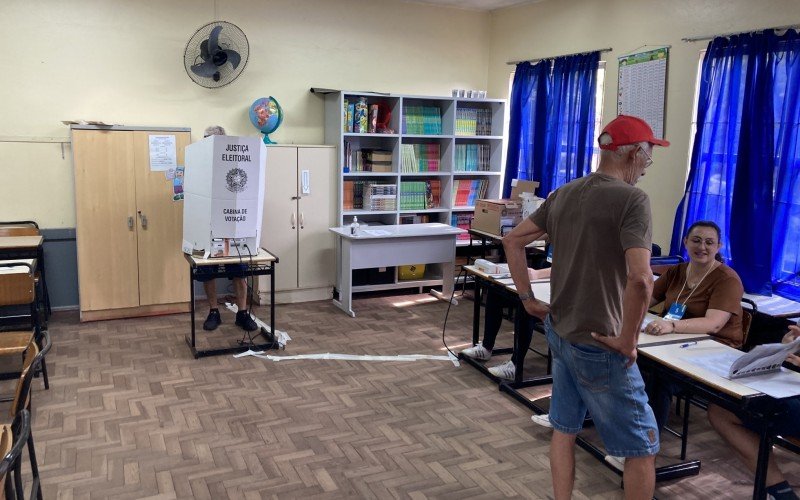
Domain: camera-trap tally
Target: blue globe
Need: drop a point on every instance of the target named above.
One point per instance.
(266, 116)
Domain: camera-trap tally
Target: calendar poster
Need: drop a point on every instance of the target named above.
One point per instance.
(642, 87)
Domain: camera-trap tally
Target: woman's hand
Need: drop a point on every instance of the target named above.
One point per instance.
(793, 333)
(660, 327)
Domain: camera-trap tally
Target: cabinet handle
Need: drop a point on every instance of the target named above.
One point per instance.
(130, 223)
(294, 224)
(143, 218)
(302, 220)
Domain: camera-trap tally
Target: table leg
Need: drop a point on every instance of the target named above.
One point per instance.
(272, 299)
(191, 302)
(345, 302)
(760, 480)
(476, 312)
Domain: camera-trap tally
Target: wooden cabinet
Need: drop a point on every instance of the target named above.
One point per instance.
(299, 207)
(129, 229)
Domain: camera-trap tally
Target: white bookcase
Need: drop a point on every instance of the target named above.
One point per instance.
(451, 141)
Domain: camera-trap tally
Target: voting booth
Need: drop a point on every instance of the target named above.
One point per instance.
(223, 196)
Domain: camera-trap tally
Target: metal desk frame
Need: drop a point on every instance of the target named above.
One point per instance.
(263, 264)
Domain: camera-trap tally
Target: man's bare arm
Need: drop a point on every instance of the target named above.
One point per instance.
(514, 245)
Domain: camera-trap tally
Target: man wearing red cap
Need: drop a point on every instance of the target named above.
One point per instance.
(600, 229)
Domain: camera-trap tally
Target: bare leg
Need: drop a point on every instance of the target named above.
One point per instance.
(562, 464)
(240, 288)
(210, 287)
(639, 477)
(743, 440)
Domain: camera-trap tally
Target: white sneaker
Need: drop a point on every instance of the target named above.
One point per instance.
(616, 462)
(478, 352)
(543, 420)
(505, 370)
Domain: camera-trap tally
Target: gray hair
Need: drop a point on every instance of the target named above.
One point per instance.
(214, 130)
(624, 149)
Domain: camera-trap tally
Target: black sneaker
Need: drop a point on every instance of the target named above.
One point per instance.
(245, 321)
(213, 320)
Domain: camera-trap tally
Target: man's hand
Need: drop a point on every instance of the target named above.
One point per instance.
(536, 308)
(793, 333)
(620, 345)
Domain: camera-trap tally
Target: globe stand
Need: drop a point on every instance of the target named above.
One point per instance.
(267, 140)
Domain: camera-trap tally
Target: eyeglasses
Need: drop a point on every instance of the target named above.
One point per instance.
(649, 160)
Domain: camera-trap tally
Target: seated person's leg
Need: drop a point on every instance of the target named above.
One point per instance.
(508, 369)
(492, 320)
(213, 319)
(659, 394)
(243, 318)
(744, 439)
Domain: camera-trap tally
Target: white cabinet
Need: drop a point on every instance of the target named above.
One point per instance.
(299, 207)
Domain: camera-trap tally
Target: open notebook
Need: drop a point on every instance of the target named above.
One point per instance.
(762, 359)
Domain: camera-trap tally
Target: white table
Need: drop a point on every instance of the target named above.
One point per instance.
(404, 244)
(775, 306)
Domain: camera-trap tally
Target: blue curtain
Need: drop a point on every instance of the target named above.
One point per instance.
(737, 167)
(527, 124)
(551, 134)
(786, 228)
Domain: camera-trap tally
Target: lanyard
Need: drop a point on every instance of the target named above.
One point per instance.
(677, 298)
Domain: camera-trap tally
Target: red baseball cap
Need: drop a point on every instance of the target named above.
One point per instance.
(626, 129)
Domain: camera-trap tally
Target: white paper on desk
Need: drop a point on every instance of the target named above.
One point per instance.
(376, 232)
(762, 359)
(163, 154)
(780, 384)
(14, 269)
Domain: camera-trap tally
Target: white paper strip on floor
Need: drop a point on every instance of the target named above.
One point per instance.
(352, 357)
(281, 337)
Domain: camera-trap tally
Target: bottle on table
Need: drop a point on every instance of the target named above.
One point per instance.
(354, 226)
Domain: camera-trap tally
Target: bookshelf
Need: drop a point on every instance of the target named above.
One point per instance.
(436, 154)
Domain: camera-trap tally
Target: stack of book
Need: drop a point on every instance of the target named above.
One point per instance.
(467, 191)
(420, 195)
(380, 196)
(420, 158)
(415, 219)
(472, 158)
(367, 160)
(422, 120)
(462, 221)
(353, 195)
(473, 121)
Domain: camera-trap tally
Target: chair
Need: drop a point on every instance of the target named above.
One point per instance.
(748, 313)
(659, 264)
(12, 440)
(18, 289)
(22, 401)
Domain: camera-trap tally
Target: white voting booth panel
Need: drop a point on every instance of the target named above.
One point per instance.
(223, 189)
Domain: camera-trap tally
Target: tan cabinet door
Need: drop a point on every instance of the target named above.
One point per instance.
(105, 203)
(163, 271)
(280, 221)
(316, 261)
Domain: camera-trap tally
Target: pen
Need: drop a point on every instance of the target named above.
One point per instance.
(688, 344)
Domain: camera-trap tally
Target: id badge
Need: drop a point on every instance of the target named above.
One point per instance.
(676, 311)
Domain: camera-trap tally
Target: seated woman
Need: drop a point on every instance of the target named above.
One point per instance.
(742, 434)
(493, 319)
(700, 296)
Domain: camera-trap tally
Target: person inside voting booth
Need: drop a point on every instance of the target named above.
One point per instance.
(235, 272)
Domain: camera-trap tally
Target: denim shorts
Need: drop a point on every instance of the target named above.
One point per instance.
(588, 378)
(204, 273)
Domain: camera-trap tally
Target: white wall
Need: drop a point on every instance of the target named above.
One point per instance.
(121, 61)
(555, 27)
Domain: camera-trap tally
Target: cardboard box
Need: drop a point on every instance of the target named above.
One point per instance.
(501, 216)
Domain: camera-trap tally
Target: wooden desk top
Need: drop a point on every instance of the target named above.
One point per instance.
(677, 358)
(15, 242)
(263, 257)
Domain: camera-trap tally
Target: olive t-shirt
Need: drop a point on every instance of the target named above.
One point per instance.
(591, 222)
(721, 289)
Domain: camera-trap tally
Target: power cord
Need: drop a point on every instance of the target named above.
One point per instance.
(463, 273)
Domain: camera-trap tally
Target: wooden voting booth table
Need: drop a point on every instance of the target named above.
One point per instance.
(541, 290)
(261, 264)
(393, 245)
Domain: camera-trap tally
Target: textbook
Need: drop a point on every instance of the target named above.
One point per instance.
(762, 359)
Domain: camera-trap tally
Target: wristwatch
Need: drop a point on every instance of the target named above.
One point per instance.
(526, 296)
